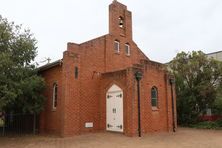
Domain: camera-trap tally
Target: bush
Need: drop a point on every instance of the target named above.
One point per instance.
(219, 123)
(198, 81)
(208, 125)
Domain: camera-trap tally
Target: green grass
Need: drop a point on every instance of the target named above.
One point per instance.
(208, 125)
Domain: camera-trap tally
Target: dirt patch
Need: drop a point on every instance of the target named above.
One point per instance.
(183, 138)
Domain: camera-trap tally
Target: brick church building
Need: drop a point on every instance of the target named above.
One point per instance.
(94, 86)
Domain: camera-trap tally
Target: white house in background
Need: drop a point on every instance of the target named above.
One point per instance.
(216, 55)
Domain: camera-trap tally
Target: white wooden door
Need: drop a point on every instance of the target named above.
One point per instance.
(114, 110)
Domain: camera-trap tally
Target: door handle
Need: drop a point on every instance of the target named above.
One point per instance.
(114, 110)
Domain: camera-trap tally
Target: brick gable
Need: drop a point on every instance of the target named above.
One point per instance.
(83, 99)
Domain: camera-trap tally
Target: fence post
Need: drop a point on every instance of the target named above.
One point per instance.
(3, 129)
(34, 123)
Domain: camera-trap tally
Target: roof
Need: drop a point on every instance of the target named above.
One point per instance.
(213, 52)
(49, 65)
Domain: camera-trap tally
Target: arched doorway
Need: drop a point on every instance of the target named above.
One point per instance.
(114, 109)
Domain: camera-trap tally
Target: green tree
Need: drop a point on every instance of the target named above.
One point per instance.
(217, 106)
(20, 86)
(198, 79)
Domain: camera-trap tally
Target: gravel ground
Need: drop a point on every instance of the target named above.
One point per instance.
(183, 138)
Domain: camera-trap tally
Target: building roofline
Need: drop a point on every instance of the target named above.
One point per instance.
(151, 61)
(49, 65)
(102, 36)
(213, 52)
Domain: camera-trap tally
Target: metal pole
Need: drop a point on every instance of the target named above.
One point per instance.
(139, 123)
(138, 76)
(171, 84)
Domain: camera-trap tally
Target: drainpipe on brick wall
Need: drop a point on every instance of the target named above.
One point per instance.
(138, 76)
(173, 114)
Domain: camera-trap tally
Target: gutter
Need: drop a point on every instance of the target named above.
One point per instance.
(49, 65)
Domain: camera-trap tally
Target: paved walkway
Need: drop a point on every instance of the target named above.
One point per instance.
(183, 138)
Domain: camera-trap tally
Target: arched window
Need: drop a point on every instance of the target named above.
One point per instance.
(127, 49)
(154, 97)
(116, 46)
(54, 96)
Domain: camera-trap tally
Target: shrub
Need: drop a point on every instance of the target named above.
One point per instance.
(208, 125)
(219, 123)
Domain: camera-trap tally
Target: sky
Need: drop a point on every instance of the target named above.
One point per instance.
(161, 28)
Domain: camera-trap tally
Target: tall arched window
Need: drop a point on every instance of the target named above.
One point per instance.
(54, 96)
(116, 46)
(154, 97)
(127, 49)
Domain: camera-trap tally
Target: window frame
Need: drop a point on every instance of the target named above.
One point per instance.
(55, 96)
(127, 49)
(154, 88)
(116, 42)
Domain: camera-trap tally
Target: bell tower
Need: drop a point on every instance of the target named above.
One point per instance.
(120, 20)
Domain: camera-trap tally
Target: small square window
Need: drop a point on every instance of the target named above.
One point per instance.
(116, 46)
(127, 49)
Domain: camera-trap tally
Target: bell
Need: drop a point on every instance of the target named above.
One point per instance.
(121, 22)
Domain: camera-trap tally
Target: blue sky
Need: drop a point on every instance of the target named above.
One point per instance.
(161, 28)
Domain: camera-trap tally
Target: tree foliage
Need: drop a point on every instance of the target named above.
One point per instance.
(20, 86)
(198, 80)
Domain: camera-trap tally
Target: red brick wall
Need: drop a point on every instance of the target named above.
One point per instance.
(117, 10)
(117, 61)
(98, 56)
(70, 94)
(154, 119)
(50, 120)
(92, 65)
(83, 99)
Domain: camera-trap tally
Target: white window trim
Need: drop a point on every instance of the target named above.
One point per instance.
(53, 96)
(128, 49)
(118, 50)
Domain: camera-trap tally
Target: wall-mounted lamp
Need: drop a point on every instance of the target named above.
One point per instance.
(138, 76)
